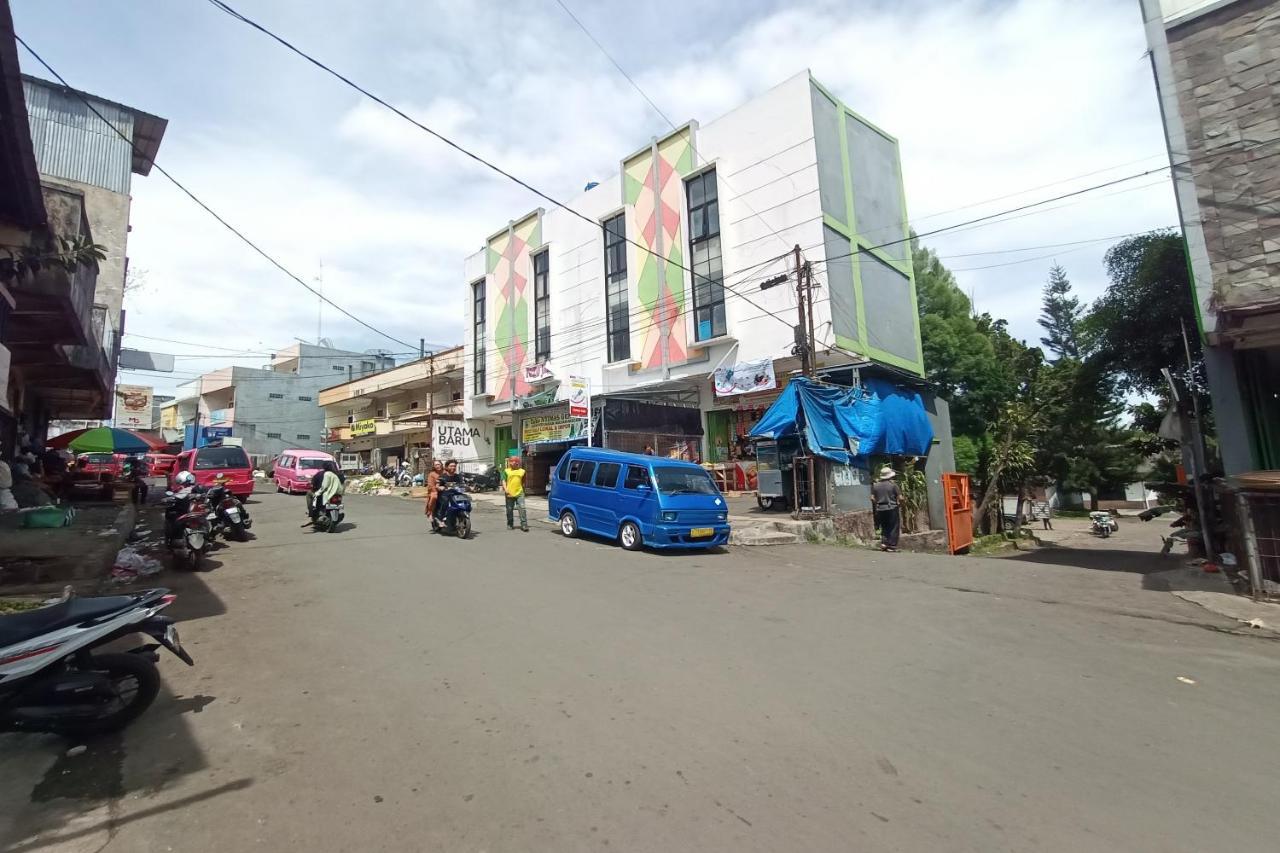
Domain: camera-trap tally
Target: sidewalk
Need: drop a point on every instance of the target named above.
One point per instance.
(44, 560)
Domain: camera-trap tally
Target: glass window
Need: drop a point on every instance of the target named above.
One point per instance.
(541, 306)
(304, 399)
(302, 436)
(275, 396)
(636, 477)
(673, 480)
(617, 306)
(704, 250)
(562, 469)
(276, 435)
(607, 474)
(477, 336)
(208, 458)
(580, 471)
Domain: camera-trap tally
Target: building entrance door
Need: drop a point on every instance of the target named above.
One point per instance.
(502, 445)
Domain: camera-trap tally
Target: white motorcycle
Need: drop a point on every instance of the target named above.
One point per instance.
(50, 679)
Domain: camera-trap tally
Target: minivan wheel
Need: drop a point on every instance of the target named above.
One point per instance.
(629, 536)
(568, 524)
(766, 504)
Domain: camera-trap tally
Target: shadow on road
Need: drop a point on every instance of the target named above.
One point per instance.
(1134, 561)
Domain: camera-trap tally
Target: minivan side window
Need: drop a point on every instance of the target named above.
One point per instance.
(637, 476)
(562, 470)
(580, 471)
(607, 474)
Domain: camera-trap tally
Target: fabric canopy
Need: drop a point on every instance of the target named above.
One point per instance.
(107, 440)
(843, 424)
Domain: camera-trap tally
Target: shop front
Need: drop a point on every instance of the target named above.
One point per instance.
(546, 432)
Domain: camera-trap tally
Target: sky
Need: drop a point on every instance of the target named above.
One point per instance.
(995, 104)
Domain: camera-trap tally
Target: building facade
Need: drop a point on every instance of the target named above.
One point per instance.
(412, 413)
(669, 288)
(67, 176)
(1217, 71)
(272, 408)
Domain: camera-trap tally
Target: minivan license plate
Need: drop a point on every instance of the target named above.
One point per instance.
(698, 532)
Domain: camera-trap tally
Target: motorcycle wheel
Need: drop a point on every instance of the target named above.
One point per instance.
(236, 531)
(462, 526)
(435, 525)
(136, 682)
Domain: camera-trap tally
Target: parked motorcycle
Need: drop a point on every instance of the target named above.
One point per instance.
(228, 516)
(331, 515)
(186, 519)
(453, 512)
(50, 679)
(1103, 523)
(402, 476)
(487, 481)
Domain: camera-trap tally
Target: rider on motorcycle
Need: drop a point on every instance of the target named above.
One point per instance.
(325, 483)
(450, 479)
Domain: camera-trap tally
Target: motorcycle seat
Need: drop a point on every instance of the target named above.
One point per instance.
(17, 627)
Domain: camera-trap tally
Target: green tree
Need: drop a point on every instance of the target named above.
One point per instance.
(1060, 316)
(1136, 325)
(18, 262)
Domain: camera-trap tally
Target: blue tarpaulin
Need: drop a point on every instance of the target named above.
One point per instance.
(843, 423)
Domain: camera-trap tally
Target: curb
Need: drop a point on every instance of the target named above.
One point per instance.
(93, 572)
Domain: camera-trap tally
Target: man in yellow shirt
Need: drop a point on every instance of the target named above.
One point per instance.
(513, 485)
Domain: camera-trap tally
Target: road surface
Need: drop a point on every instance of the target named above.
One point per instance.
(384, 689)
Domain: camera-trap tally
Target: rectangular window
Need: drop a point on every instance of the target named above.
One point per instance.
(541, 306)
(367, 367)
(636, 477)
(704, 251)
(339, 368)
(477, 335)
(607, 474)
(275, 396)
(302, 436)
(273, 435)
(304, 399)
(617, 310)
(581, 471)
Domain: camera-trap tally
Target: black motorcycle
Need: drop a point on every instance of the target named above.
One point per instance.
(487, 481)
(228, 515)
(186, 520)
(53, 678)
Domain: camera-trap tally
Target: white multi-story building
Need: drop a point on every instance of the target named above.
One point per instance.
(652, 280)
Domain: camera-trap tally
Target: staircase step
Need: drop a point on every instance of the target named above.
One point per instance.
(759, 536)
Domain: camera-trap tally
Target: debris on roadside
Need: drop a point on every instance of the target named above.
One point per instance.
(130, 565)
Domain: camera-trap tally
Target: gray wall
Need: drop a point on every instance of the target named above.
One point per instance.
(941, 459)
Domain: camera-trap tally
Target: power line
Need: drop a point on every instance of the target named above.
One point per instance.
(664, 116)
(204, 206)
(219, 4)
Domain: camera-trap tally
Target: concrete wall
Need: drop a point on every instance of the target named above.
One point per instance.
(941, 459)
(1225, 65)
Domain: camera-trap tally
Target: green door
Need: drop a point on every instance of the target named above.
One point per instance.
(502, 445)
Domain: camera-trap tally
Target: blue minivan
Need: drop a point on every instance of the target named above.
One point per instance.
(638, 500)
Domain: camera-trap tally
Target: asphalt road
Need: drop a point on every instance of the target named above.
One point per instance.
(385, 689)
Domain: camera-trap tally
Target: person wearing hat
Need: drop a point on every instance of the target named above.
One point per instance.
(884, 500)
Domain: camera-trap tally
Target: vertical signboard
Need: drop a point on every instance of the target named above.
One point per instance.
(580, 401)
(133, 406)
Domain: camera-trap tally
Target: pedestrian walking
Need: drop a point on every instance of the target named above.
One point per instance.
(885, 498)
(513, 485)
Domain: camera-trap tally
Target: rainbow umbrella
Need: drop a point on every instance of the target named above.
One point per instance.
(106, 440)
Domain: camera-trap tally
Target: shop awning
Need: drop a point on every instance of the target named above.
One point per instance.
(842, 424)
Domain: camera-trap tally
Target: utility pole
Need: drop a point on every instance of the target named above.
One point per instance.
(431, 409)
(812, 342)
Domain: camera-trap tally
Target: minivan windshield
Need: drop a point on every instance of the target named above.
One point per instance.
(673, 480)
(311, 463)
(209, 458)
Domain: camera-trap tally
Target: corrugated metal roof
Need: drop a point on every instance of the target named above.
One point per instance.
(74, 144)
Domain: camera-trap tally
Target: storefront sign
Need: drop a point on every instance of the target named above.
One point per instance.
(551, 428)
(745, 377)
(455, 440)
(133, 406)
(368, 426)
(579, 397)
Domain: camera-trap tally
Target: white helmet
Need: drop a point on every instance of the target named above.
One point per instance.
(185, 478)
